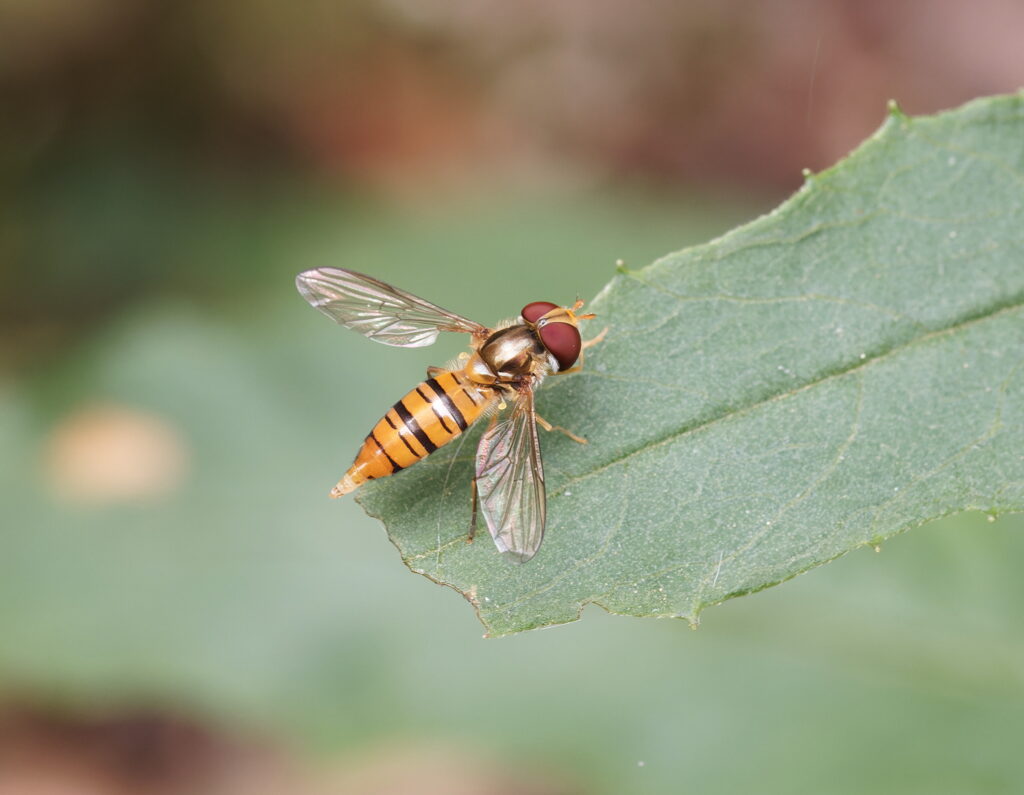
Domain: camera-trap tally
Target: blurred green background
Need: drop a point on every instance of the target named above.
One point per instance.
(181, 607)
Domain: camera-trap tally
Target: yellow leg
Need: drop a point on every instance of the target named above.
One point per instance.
(547, 426)
(586, 344)
(594, 340)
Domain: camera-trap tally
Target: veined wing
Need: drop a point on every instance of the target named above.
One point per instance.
(377, 310)
(510, 482)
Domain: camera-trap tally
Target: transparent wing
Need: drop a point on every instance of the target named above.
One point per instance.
(510, 482)
(377, 310)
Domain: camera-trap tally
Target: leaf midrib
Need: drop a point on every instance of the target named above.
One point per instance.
(966, 321)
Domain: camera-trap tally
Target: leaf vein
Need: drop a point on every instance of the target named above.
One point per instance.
(842, 371)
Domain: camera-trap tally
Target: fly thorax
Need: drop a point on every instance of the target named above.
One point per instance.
(512, 353)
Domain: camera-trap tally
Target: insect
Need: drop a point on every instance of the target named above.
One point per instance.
(506, 366)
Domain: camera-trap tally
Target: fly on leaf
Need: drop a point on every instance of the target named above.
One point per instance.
(506, 366)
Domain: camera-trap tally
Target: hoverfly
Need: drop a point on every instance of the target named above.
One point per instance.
(506, 365)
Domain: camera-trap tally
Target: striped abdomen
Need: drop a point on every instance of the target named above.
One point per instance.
(430, 416)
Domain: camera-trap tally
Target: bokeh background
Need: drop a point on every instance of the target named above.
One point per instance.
(181, 608)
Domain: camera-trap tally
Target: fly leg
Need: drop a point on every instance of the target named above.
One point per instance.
(472, 520)
(547, 426)
(583, 350)
(594, 340)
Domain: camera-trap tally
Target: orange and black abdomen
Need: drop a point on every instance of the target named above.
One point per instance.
(429, 417)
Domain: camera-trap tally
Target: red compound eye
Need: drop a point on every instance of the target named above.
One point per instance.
(533, 312)
(563, 342)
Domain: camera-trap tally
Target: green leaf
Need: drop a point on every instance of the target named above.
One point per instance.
(838, 371)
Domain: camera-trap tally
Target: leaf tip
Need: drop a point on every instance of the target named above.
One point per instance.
(620, 266)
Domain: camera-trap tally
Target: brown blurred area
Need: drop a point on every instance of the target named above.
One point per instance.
(42, 754)
(169, 106)
(388, 91)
